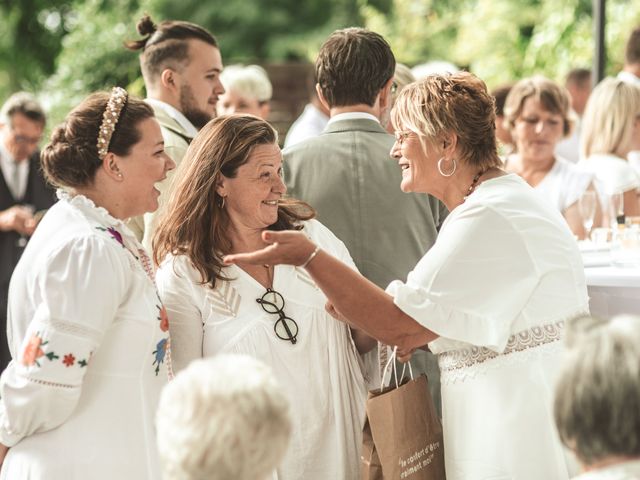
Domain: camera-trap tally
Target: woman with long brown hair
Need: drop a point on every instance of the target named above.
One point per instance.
(230, 190)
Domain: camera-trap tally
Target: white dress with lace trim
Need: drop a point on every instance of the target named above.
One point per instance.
(492, 276)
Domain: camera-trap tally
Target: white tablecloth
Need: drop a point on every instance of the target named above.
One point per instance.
(613, 290)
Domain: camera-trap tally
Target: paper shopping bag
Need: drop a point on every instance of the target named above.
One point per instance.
(403, 434)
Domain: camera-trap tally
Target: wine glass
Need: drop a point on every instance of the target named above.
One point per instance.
(617, 208)
(587, 206)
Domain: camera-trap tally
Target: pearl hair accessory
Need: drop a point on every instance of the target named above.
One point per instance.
(116, 103)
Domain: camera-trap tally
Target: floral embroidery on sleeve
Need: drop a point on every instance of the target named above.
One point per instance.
(69, 360)
(33, 351)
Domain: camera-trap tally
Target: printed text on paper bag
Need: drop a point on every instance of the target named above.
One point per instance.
(418, 460)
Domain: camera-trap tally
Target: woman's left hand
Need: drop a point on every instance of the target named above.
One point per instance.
(288, 248)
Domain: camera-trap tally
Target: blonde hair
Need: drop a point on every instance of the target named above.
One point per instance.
(196, 224)
(607, 125)
(553, 97)
(222, 418)
(456, 103)
(402, 77)
(251, 81)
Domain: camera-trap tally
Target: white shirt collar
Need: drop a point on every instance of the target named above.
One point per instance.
(628, 77)
(175, 114)
(353, 116)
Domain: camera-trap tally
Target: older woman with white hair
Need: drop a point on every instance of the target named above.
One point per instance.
(222, 418)
(597, 404)
(490, 297)
(247, 90)
(610, 130)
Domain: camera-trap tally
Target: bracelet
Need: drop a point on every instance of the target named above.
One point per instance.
(311, 257)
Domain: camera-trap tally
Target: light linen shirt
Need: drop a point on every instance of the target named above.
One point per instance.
(309, 124)
(175, 114)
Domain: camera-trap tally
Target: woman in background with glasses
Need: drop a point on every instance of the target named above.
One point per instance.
(536, 112)
(228, 193)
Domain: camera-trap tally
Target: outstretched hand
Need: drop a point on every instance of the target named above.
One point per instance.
(287, 247)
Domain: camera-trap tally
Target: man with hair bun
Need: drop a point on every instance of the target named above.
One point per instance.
(23, 191)
(181, 66)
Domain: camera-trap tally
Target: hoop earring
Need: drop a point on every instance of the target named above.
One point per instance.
(222, 203)
(448, 174)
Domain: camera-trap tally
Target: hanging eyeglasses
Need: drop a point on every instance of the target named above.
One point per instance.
(285, 327)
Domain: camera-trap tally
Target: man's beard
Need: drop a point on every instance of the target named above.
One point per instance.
(189, 109)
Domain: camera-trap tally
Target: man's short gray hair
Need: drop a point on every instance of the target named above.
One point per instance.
(597, 401)
(222, 418)
(24, 103)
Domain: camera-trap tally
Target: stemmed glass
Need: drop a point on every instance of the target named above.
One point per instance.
(587, 207)
(617, 208)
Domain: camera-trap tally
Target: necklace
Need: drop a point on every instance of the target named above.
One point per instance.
(474, 183)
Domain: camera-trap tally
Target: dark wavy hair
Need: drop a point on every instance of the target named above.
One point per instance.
(196, 225)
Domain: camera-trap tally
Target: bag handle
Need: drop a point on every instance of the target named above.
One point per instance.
(391, 362)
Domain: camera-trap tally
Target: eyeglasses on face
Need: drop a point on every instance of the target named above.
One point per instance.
(24, 140)
(402, 135)
(285, 327)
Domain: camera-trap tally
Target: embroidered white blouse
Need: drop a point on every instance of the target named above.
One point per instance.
(90, 346)
(320, 374)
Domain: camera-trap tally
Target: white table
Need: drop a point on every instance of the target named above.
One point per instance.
(612, 290)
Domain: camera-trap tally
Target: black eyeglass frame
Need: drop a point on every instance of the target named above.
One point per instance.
(276, 310)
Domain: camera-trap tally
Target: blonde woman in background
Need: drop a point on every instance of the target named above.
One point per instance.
(247, 90)
(610, 130)
(537, 112)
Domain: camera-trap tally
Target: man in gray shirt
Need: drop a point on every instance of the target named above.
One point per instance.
(347, 173)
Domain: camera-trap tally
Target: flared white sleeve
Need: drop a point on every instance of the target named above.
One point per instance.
(473, 282)
(73, 300)
(177, 282)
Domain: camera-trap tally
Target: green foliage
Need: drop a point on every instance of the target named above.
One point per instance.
(504, 40)
(68, 48)
(30, 35)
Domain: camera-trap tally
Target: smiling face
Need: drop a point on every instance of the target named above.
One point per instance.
(251, 197)
(144, 166)
(418, 167)
(537, 131)
(200, 84)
